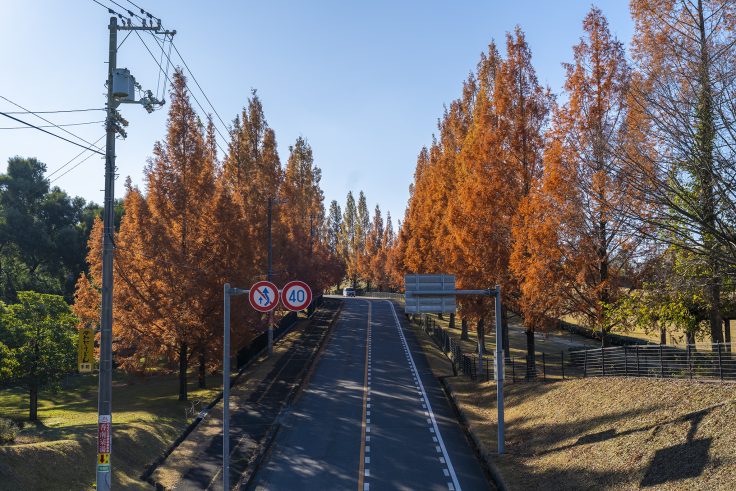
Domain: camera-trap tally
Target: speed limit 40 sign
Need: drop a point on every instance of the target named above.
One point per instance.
(296, 295)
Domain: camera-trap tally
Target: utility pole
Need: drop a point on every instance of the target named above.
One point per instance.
(115, 96)
(104, 402)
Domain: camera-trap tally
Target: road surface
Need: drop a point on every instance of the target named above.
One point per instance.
(372, 418)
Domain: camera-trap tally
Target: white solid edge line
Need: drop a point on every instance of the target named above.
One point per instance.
(426, 399)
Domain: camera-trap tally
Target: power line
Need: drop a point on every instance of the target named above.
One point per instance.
(148, 14)
(203, 93)
(44, 119)
(73, 159)
(58, 111)
(52, 134)
(190, 92)
(195, 81)
(72, 168)
(50, 125)
(114, 12)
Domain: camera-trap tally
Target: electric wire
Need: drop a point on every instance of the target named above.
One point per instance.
(190, 92)
(72, 168)
(149, 14)
(202, 91)
(196, 82)
(114, 12)
(43, 119)
(58, 111)
(73, 158)
(52, 134)
(50, 125)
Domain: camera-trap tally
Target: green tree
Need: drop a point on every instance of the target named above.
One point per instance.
(39, 332)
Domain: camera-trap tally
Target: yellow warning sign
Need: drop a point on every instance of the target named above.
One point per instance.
(86, 351)
(103, 458)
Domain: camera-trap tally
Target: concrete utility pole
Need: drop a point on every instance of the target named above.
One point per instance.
(104, 403)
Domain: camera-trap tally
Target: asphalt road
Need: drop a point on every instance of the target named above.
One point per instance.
(373, 416)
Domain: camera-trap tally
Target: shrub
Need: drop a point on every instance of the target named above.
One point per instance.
(8, 430)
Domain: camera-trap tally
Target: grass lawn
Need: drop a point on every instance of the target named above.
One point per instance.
(59, 451)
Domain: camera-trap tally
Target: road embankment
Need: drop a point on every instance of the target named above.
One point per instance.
(600, 433)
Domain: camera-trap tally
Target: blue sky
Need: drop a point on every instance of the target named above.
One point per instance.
(364, 82)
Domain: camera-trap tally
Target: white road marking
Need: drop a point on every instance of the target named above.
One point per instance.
(368, 461)
(446, 472)
(441, 447)
(450, 486)
(366, 486)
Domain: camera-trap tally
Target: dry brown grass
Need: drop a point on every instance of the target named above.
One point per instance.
(605, 433)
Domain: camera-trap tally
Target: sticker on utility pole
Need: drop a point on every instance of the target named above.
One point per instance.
(86, 349)
(263, 296)
(296, 295)
(103, 433)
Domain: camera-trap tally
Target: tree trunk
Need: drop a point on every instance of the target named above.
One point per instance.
(662, 335)
(531, 360)
(505, 332)
(727, 329)
(33, 412)
(464, 331)
(202, 379)
(183, 366)
(716, 334)
(690, 338)
(452, 321)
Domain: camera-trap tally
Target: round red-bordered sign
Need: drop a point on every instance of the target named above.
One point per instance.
(296, 295)
(263, 296)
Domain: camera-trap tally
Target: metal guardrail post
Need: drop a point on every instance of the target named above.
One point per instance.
(689, 362)
(585, 364)
(513, 371)
(661, 363)
(562, 363)
(544, 368)
(636, 350)
(626, 363)
(603, 361)
(720, 361)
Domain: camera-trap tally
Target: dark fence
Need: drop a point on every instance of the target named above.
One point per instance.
(260, 342)
(716, 362)
(544, 366)
(708, 362)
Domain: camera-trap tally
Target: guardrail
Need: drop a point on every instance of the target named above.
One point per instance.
(387, 295)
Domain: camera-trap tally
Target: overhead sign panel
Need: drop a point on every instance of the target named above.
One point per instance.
(425, 294)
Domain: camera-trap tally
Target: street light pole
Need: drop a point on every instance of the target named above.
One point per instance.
(499, 370)
(269, 275)
(227, 293)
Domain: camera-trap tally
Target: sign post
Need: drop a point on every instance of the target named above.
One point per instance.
(436, 294)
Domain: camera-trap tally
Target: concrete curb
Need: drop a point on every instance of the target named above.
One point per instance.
(478, 446)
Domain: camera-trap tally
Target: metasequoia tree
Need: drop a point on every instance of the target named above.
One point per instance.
(348, 239)
(598, 239)
(684, 50)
